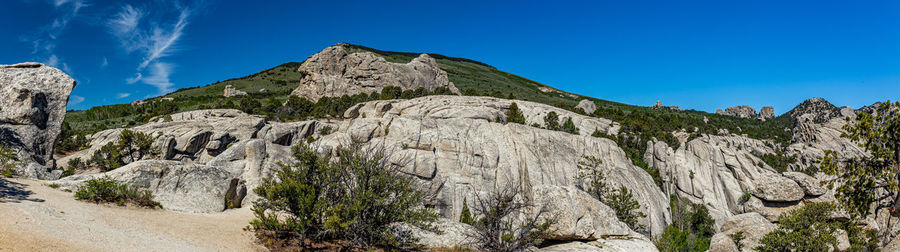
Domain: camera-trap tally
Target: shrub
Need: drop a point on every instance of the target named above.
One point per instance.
(569, 127)
(625, 206)
(465, 216)
(325, 130)
(509, 221)
(131, 146)
(514, 115)
(355, 198)
(778, 161)
(811, 228)
(691, 228)
(551, 121)
(8, 161)
(593, 181)
(738, 239)
(106, 190)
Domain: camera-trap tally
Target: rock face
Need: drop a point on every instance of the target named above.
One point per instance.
(587, 106)
(34, 98)
(336, 71)
(176, 185)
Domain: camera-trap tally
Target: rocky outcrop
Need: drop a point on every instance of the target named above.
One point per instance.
(716, 171)
(587, 106)
(232, 92)
(742, 111)
(34, 98)
(455, 146)
(178, 186)
(338, 71)
(766, 113)
(810, 140)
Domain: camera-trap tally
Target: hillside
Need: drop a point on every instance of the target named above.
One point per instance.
(471, 77)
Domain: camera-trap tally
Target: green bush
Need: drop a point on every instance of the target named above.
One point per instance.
(465, 216)
(106, 190)
(8, 161)
(514, 115)
(508, 221)
(569, 127)
(778, 161)
(355, 198)
(691, 228)
(131, 146)
(811, 228)
(593, 181)
(551, 121)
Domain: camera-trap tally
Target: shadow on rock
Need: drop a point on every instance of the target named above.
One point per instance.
(13, 192)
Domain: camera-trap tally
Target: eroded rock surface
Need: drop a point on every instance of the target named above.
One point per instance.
(33, 100)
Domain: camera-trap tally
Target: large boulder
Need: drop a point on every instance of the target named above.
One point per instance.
(33, 100)
(777, 188)
(340, 70)
(753, 227)
(178, 186)
(587, 106)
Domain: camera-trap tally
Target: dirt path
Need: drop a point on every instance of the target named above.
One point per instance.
(35, 217)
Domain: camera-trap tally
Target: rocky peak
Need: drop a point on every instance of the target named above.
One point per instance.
(336, 71)
(816, 109)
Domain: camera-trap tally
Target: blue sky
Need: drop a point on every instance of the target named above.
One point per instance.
(699, 55)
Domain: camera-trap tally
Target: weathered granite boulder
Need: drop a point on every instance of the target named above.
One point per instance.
(178, 186)
(33, 100)
(587, 106)
(339, 70)
(753, 226)
(777, 188)
(809, 184)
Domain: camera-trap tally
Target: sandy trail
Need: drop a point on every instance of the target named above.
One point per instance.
(35, 217)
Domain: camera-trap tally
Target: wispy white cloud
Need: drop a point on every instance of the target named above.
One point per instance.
(154, 37)
(104, 63)
(52, 61)
(159, 77)
(74, 99)
(122, 95)
(162, 40)
(44, 40)
(135, 79)
(124, 25)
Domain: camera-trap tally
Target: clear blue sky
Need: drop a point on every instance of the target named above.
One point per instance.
(696, 54)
